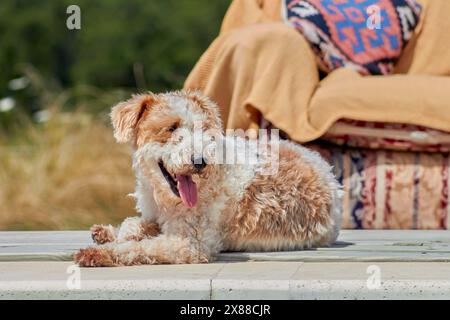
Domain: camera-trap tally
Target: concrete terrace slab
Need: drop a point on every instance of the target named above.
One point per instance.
(48, 280)
(408, 264)
(398, 280)
(243, 280)
(352, 245)
(268, 280)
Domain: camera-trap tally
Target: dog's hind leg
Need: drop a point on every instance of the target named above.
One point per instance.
(162, 249)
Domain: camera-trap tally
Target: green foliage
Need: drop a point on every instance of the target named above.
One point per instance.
(151, 44)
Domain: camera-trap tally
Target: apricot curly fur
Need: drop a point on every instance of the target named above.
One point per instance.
(236, 206)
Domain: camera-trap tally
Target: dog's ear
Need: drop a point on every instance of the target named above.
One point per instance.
(125, 116)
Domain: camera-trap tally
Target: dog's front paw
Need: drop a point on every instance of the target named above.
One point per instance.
(150, 229)
(102, 234)
(95, 257)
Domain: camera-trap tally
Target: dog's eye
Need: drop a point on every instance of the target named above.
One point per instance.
(173, 127)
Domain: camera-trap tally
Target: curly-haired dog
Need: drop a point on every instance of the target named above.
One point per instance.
(192, 208)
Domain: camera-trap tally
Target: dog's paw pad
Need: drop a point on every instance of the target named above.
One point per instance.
(102, 234)
(94, 257)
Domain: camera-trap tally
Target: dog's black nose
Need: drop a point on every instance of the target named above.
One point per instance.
(199, 163)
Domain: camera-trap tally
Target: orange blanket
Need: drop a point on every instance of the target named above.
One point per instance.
(261, 67)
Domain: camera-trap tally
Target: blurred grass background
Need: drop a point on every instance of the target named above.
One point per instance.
(59, 165)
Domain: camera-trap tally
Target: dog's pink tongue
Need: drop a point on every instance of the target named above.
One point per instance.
(188, 190)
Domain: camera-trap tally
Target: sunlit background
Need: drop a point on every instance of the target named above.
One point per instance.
(59, 165)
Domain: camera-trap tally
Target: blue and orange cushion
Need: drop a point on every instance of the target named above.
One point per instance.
(366, 35)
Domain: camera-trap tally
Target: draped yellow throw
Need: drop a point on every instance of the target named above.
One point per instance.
(260, 67)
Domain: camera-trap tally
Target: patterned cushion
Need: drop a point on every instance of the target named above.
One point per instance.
(367, 35)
